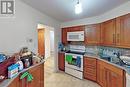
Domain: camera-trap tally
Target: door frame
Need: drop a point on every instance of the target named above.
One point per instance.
(43, 31)
(55, 68)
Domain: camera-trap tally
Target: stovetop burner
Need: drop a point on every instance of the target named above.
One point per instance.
(74, 52)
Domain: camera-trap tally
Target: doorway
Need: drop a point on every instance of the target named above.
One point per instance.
(48, 42)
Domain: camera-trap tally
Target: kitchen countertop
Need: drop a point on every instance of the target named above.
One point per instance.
(62, 51)
(98, 57)
(7, 82)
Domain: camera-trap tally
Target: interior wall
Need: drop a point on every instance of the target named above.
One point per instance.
(116, 12)
(52, 42)
(48, 41)
(16, 31)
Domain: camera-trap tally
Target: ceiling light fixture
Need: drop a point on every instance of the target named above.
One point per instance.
(78, 7)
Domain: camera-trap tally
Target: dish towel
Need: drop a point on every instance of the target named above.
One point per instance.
(69, 58)
(78, 61)
(28, 75)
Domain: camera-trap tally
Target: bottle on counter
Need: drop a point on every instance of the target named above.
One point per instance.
(20, 63)
(26, 63)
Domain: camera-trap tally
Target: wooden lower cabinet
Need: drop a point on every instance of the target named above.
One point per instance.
(109, 75)
(90, 68)
(38, 78)
(15, 83)
(100, 73)
(113, 79)
(61, 61)
(37, 74)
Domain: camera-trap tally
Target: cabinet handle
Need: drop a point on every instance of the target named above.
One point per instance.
(113, 38)
(114, 74)
(118, 37)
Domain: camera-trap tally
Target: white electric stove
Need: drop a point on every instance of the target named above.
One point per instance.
(71, 68)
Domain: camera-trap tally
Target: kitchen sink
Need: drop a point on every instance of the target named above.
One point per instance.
(114, 60)
(105, 57)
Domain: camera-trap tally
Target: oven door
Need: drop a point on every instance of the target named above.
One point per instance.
(73, 64)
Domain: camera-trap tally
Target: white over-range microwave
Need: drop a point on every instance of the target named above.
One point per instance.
(75, 36)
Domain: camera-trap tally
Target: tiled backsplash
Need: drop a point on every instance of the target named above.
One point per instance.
(106, 50)
(92, 49)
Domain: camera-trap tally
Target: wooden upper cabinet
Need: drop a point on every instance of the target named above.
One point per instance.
(70, 29)
(123, 31)
(76, 28)
(109, 32)
(92, 34)
(64, 35)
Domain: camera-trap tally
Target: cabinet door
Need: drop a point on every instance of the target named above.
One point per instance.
(123, 29)
(64, 35)
(15, 82)
(90, 68)
(116, 80)
(114, 76)
(109, 33)
(61, 61)
(42, 75)
(108, 78)
(76, 28)
(23, 82)
(101, 78)
(36, 73)
(92, 34)
(113, 79)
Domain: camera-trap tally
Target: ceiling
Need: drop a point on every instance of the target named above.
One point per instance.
(63, 10)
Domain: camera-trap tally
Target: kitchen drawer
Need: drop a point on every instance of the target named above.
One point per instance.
(91, 71)
(90, 76)
(89, 61)
(91, 67)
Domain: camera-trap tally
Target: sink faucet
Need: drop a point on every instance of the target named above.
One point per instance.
(118, 54)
